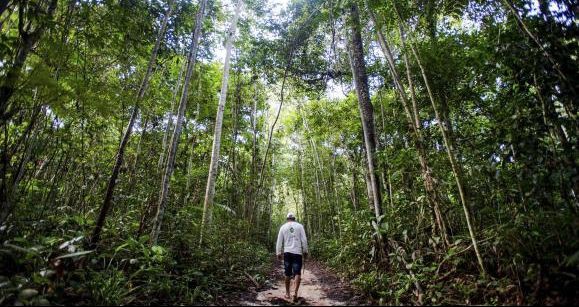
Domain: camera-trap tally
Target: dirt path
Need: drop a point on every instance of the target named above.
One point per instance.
(319, 287)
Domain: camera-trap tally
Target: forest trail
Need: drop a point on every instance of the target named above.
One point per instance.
(319, 287)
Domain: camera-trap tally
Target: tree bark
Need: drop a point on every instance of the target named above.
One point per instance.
(358, 67)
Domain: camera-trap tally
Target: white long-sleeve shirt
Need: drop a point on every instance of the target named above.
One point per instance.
(293, 238)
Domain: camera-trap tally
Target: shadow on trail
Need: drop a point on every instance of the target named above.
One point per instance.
(319, 287)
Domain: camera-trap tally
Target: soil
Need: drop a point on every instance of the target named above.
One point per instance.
(319, 287)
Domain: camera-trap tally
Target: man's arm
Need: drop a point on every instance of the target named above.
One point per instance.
(304, 241)
(279, 243)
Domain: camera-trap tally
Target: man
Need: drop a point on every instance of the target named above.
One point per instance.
(293, 238)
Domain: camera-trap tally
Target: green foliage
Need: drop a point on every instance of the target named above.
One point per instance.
(130, 272)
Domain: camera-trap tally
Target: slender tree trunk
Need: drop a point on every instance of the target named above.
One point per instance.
(127, 135)
(358, 66)
(270, 134)
(415, 111)
(193, 142)
(234, 133)
(337, 204)
(54, 180)
(170, 118)
(172, 151)
(354, 192)
(303, 192)
(262, 168)
(386, 169)
(281, 101)
(253, 171)
(317, 164)
(210, 190)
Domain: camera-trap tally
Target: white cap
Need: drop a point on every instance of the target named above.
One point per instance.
(290, 215)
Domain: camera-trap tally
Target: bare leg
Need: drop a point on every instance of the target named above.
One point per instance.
(298, 280)
(287, 287)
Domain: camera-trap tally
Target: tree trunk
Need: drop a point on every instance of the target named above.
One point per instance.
(369, 190)
(213, 166)
(388, 183)
(234, 133)
(354, 187)
(127, 135)
(303, 192)
(358, 67)
(170, 118)
(253, 171)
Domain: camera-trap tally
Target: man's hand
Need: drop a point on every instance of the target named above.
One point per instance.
(305, 255)
(278, 256)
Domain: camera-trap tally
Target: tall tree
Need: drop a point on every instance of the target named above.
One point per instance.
(213, 166)
(358, 67)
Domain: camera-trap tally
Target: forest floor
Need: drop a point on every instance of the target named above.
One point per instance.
(319, 287)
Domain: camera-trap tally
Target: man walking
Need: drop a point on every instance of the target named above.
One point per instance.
(293, 238)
